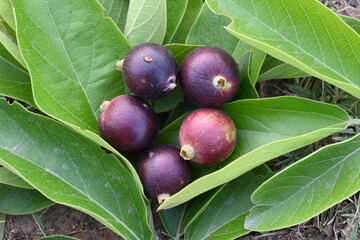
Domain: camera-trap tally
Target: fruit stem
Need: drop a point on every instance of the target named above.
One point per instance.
(119, 65)
(104, 106)
(162, 197)
(187, 152)
(219, 82)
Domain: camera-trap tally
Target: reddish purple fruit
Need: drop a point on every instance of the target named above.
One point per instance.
(209, 76)
(207, 137)
(163, 172)
(128, 123)
(150, 71)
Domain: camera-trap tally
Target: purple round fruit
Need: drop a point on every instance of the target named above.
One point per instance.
(128, 123)
(163, 172)
(207, 136)
(209, 76)
(150, 71)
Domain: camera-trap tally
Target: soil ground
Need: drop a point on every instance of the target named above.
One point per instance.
(63, 220)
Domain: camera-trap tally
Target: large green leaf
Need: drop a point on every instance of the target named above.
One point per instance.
(175, 12)
(146, 21)
(192, 10)
(308, 187)
(231, 230)
(14, 79)
(230, 202)
(71, 50)
(302, 33)
(9, 178)
(267, 128)
(19, 201)
(70, 169)
(276, 69)
(117, 10)
(7, 13)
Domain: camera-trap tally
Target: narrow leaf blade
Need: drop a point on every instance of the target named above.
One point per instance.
(308, 187)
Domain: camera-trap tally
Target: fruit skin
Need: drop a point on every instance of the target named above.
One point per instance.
(128, 124)
(163, 172)
(150, 71)
(207, 136)
(209, 76)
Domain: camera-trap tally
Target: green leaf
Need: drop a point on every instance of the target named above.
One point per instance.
(169, 101)
(19, 201)
(231, 230)
(71, 50)
(175, 13)
(9, 42)
(171, 219)
(247, 88)
(6, 12)
(117, 10)
(267, 128)
(304, 34)
(256, 61)
(352, 22)
(230, 202)
(276, 69)
(192, 10)
(208, 30)
(2, 225)
(146, 21)
(308, 187)
(180, 51)
(9, 178)
(14, 79)
(39, 223)
(57, 237)
(72, 170)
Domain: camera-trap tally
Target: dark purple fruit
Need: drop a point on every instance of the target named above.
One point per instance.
(209, 76)
(207, 136)
(150, 71)
(163, 172)
(128, 123)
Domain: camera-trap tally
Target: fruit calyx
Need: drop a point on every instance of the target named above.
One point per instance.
(104, 106)
(163, 197)
(187, 152)
(119, 65)
(220, 83)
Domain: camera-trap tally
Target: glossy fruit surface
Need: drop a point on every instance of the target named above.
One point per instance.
(150, 71)
(163, 172)
(209, 76)
(207, 136)
(128, 124)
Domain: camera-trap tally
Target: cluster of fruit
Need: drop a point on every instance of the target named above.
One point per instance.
(209, 77)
